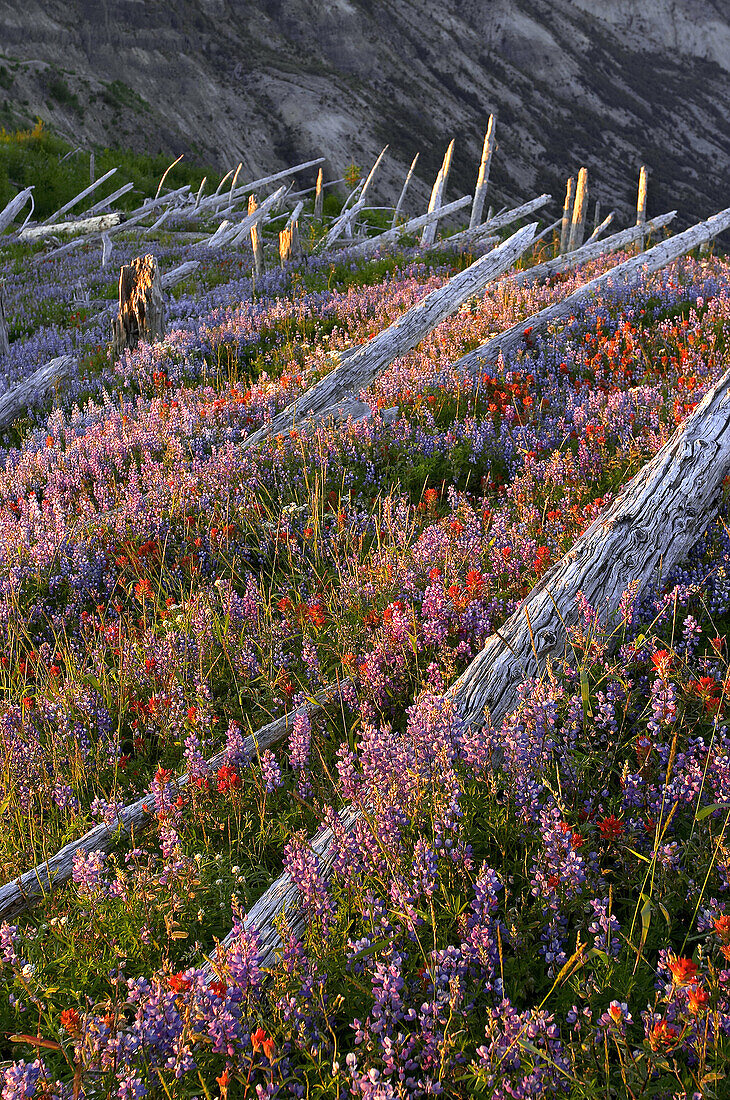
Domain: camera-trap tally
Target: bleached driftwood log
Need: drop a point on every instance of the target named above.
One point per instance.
(34, 388)
(99, 224)
(483, 178)
(9, 213)
(580, 209)
(601, 227)
(214, 201)
(437, 195)
(319, 195)
(365, 363)
(404, 189)
(347, 217)
(102, 204)
(391, 236)
(233, 234)
(141, 313)
(4, 338)
(567, 214)
(589, 251)
(77, 198)
(647, 262)
(21, 892)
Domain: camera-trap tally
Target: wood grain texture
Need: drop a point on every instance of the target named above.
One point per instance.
(34, 388)
(141, 314)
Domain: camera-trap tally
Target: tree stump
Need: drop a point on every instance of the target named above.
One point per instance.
(141, 306)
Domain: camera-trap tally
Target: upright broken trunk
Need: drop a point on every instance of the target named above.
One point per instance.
(141, 306)
(256, 243)
(319, 196)
(289, 246)
(437, 195)
(641, 198)
(483, 178)
(580, 208)
(404, 189)
(567, 215)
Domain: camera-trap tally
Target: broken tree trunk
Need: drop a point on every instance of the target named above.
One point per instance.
(437, 195)
(567, 214)
(365, 363)
(20, 893)
(580, 208)
(641, 198)
(601, 227)
(33, 389)
(141, 313)
(256, 243)
(102, 204)
(589, 251)
(99, 224)
(483, 178)
(227, 234)
(4, 339)
(657, 257)
(77, 198)
(13, 208)
(289, 246)
(402, 196)
(391, 236)
(319, 196)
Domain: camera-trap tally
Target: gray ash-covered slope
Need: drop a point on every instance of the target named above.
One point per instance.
(607, 83)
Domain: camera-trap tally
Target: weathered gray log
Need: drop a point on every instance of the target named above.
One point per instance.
(319, 195)
(650, 526)
(657, 257)
(9, 213)
(483, 178)
(346, 218)
(567, 214)
(92, 167)
(507, 217)
(392, 236)
(141, 313)
(77, 198)
(601, 228)
(404, 189)
(175, 275)
(589, 251)
(437, 195)
(255, 185)
(233, 185)
(233, 234)
(99, 224)
(106, 249)
(102, 204)
(4, 338)
(580, 208)
(21, 892)
(597, 215)
(364, 364)
(33, 389)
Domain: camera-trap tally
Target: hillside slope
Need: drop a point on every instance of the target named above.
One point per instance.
(268, 82)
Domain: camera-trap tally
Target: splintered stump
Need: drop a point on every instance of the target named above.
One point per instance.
(141, 306)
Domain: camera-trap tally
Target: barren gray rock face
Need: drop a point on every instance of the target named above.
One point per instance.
(606, 83)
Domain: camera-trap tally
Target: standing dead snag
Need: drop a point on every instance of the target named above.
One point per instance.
(437, 195)
(580, 208)
(256, 243)
(567, 215)
(483, 177)
(319, 196)
(141, 305)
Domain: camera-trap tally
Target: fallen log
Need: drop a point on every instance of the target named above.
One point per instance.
(507, 217)
(437, 195)
(77, 198)
(19, 893)
(483, 178)
(364, 364)
(657, 257)
(391, 236)
(34, 388)
(141, 313)
(232, 234)
(590, 251)
(404, 189)
(210, 202)
(99, 224)
(601, 227)
(102, 203)
(13, 208)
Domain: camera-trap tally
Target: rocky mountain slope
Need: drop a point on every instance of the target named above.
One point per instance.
(607, 83)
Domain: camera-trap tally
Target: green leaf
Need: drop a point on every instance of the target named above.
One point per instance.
(707, 810)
